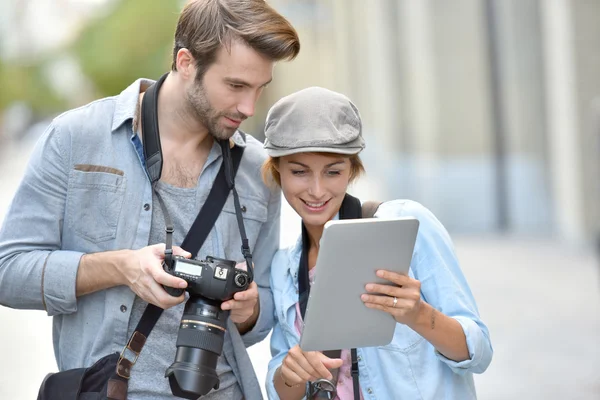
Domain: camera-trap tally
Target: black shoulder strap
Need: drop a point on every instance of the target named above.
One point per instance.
(149, 121)
(198, 232)
(212, 207)
(350, 209)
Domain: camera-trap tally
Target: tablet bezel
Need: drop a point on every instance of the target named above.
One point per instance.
(336, 318)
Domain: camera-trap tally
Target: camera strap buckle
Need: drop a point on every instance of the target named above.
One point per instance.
(169, 257)
(135, 345)
(321, 389)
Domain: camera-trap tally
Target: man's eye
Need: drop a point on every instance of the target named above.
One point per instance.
(235, 86)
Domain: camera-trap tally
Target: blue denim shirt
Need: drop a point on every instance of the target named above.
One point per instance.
(86, 190)
(409, 367)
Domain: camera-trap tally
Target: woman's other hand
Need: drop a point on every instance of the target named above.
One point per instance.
(299, 366)
(402, 299)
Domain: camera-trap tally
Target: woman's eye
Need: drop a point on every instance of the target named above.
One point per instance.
(333, 172)
(298, 172)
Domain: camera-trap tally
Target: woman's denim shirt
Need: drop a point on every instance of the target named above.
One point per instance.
(86, 190)
(409, 367)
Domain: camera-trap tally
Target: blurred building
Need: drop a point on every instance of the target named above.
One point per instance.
(482, 110)
(485, 111)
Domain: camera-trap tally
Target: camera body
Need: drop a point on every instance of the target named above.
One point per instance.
(203, 324)
(213, 278)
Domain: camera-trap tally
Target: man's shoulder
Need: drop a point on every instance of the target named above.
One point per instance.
(102, 116)
(96, 116)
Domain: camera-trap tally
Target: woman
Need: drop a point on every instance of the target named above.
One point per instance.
(313, 138)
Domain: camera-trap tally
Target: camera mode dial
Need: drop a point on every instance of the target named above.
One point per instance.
(241, 280)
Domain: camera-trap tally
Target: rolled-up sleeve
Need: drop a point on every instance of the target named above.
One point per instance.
(443, 284)
(266, 246)
(34, 272)
(480, 350)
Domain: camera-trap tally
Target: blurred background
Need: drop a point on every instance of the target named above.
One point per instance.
(485, 111)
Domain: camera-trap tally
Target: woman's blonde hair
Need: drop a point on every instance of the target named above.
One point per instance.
(271, 176)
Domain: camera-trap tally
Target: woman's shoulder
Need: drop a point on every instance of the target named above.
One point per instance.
(406, 208)
(432, 232)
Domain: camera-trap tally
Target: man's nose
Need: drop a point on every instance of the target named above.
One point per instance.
(247, 105)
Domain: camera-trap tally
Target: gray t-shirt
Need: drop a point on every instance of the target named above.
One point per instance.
(148, 380)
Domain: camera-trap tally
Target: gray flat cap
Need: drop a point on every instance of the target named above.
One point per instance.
(313, 120)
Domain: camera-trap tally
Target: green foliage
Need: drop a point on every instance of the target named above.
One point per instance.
(134, 41)
(28, 84)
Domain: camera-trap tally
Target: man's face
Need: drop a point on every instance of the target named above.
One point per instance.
(229, 89)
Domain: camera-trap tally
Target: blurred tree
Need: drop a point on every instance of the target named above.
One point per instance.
(27, 83)
(134, 40)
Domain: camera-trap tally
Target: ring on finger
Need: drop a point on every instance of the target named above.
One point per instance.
(395, 301)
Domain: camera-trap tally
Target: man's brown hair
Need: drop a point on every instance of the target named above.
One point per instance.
(205, 25)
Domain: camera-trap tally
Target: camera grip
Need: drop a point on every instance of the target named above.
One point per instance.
(173, 291)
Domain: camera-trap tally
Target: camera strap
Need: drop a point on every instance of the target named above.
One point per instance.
(223, 184)
(350, 209)
(203, 224)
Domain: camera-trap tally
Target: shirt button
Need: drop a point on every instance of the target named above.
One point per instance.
(123, 308)
(370, 391)
(359, 358)
(146, 206)
(244, 209)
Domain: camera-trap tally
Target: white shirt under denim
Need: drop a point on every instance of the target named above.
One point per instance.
(86, 190)
(410, 367)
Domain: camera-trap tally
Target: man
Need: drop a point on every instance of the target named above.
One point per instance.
(84, 237)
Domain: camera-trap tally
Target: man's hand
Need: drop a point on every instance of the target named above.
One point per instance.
(244, 305)
(145, 275)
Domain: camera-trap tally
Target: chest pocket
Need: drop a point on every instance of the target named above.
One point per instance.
(254, 212)
(94, 202)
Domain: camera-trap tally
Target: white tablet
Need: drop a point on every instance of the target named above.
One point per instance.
(350, 253)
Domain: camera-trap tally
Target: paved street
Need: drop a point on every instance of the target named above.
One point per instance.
(540, 299)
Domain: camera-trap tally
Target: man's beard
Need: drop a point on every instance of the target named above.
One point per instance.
(209, 117)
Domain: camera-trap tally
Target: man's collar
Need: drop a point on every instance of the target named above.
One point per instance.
(237, 139)
(127, 103)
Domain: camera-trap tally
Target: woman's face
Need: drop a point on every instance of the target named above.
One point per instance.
(314, 184)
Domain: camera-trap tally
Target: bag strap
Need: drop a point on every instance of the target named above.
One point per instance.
(350, 209)
(369, 208)
(200, 229)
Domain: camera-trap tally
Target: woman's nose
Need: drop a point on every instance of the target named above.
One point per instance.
(316, 188)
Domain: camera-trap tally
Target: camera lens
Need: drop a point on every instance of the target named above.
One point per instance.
(241, 280)
(199, 345)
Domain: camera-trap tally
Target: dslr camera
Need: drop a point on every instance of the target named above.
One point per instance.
(203, 324)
